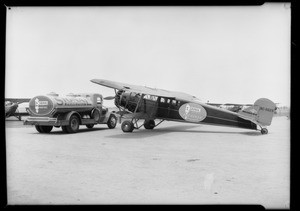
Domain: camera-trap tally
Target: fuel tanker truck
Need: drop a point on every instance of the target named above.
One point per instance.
(68, 112)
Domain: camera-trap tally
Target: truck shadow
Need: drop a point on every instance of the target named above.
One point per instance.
(143, 133)
(83, 130)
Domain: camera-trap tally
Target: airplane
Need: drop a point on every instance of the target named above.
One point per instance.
(144, 103)
(11, 109)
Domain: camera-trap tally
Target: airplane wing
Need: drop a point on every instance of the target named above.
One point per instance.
(145, 90)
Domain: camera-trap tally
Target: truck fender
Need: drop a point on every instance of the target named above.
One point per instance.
(68, 115)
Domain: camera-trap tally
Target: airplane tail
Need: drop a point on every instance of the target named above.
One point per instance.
(261, 112)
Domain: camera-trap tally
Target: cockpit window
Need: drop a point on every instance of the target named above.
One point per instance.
(150, 97)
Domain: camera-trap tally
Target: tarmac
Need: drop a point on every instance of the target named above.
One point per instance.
(176, 163)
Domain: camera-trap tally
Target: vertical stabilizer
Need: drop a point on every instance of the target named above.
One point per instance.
(261, 112)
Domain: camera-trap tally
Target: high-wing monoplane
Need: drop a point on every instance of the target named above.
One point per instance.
(149, 104)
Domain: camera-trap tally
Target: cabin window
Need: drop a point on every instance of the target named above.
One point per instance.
(150, 97)
(162, 100)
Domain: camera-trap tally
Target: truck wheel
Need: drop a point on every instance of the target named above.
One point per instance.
(37, 127)
(149, 124)
(45, 129)
(127, 126)
(64, 129)
(73, 124)
(90, 126)
(112, 122)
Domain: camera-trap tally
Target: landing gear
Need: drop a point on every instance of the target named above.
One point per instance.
(264, 131)
(149, 124)
(127, 126)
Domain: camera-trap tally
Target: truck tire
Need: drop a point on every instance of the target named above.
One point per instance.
(73, 124)
(96, 115)
(112, 122)
(37, 127)
(90, 126)
(45, 129)
(64, 129)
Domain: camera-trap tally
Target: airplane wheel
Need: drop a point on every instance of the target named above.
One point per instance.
(90, 126)
(112, 122)
(264, 131)
(127, 126)
(45, 129)
(149, 124)
(73, 125)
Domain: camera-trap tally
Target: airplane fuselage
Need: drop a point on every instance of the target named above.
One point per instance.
(155, 107)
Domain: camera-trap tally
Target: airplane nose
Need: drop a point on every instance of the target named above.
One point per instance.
(126, 100)
(119, 98)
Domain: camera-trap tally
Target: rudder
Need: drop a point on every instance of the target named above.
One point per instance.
(265, 111)
(261, 112)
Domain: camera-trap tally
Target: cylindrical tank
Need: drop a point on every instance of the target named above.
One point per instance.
(44, 105)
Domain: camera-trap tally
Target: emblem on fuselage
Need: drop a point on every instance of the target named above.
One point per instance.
(192, 112)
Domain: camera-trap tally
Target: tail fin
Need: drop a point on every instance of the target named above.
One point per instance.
(261, 112)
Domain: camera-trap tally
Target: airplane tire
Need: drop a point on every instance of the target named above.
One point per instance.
(73, 124)
(45, 129)
(264, 131)
(127, 126)
(90, 126)
(149, 124)
(112, 122)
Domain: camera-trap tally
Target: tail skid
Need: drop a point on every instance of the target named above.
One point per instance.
(261, 113)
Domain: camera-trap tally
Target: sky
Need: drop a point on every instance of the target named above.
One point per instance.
(232, 54)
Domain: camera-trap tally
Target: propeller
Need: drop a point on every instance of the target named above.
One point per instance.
(109, 98)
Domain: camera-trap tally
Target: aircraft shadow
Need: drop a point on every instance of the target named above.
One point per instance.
(143, 133)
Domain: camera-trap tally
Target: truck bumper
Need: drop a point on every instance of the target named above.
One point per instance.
(45, 121)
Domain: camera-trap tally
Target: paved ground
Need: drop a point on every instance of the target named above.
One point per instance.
(173, 164)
